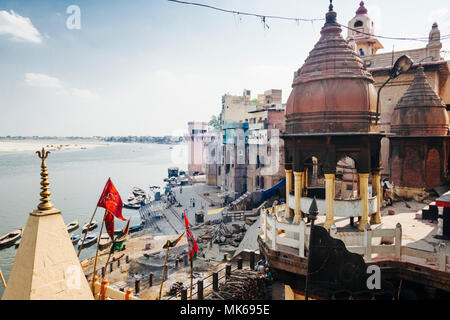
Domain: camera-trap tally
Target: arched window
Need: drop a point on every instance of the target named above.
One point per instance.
(358, 24)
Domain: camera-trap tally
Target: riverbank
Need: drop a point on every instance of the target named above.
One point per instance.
(50, 145)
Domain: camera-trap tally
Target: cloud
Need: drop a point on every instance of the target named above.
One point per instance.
(41, 80)
(84, 94)
(18, 27)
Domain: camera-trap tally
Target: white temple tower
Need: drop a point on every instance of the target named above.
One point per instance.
(361, 30)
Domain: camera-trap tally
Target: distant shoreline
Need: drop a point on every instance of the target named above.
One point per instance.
(51, 145)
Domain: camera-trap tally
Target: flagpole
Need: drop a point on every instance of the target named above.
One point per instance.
(87, 230)
(96, 253)
(192, 267)
(164, 270)
(3, 279)
(112, 247)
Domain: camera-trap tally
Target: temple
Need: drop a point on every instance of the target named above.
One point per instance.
(419, 149)
(330, 117)
(46, 266)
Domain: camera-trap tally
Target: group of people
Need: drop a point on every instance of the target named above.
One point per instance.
(263, 267)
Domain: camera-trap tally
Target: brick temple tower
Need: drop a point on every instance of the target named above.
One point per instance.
(331, 115)
(419, 150)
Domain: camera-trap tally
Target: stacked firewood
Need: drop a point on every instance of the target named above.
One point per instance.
(242, 285)
(176, 288)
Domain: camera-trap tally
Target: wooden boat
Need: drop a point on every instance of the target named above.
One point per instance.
(131, 205)
(73, 225)
(92, 226)
(136, 228)
(138, 191)
(90, 240)
(131, 197)
(105, 241)
(10, 238)
(75, 238)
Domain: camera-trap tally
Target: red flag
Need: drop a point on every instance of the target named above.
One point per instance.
(110, 200)
(191, 241)
(109, 222)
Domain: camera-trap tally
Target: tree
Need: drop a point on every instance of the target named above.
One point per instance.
(214, 123)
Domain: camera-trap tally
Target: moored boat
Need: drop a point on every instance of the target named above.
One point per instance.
(131, 205)
(75, 238)
(92, 226)
(136, 228)
(138, 191)
(10, 238)
(90, 240)
(104, 241)
(73, 225)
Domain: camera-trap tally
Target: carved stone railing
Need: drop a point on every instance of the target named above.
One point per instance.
(294, 238)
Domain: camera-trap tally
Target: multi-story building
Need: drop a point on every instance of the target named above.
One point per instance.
(197, 137)
(436, 69)
(250, 154)
(265, 156)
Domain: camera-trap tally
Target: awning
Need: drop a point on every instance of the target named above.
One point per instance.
(444, 200)
(215, 211)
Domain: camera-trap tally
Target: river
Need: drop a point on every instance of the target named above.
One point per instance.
(77, 177)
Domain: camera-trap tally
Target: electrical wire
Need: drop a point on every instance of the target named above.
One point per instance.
(264, 17)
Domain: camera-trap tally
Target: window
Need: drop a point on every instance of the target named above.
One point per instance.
(358, 24)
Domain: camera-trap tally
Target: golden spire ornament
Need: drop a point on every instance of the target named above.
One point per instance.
(45, 204)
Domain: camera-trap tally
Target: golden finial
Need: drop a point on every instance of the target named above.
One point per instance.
(45, 204)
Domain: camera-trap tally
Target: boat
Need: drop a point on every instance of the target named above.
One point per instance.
(90, 240)
(73, 225)
(117, 231)
(136, 228)
(131, 205)
(74, 238)
(10, 238)
(131, 197)
(17, 243)
(138, 191)
(92, 226)
(105, 241)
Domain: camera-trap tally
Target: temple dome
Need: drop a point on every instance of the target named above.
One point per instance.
(332, 91)
(420, 112)
(361, 9)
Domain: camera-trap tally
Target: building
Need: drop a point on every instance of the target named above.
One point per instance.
(232, 171)
(436, 69)
(265, 148)
(250, 132)
(419, 148)
(235, 108)
(197, 137)
(331, 116)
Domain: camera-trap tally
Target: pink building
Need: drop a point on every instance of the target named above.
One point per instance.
(197, 137)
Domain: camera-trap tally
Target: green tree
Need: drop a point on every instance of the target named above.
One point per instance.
(214, 123)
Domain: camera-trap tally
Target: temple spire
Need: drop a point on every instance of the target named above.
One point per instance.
(45, 204)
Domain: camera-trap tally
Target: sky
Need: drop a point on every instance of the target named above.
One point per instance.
(147, 67)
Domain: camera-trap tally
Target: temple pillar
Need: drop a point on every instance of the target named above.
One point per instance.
(376, 191)
(329, 200)
(298, 186)
(289, 213)
(364, 192)
(305, 182)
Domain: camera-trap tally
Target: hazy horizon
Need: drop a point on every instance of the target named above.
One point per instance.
(147, 67)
